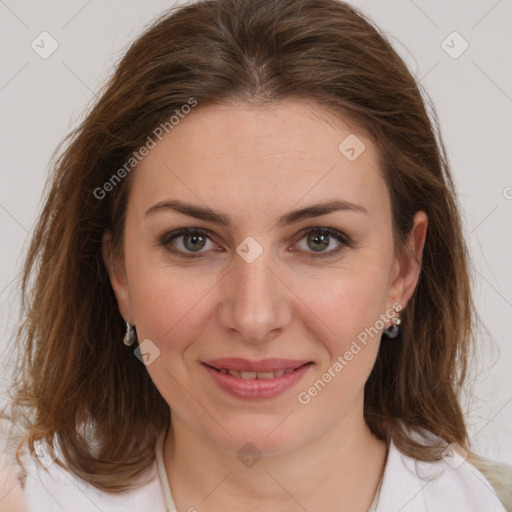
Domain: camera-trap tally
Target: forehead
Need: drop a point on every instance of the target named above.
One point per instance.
(250, 160)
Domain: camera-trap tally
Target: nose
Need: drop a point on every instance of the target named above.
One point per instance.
(255, 304)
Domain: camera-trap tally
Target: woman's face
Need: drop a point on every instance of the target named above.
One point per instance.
(270, 276)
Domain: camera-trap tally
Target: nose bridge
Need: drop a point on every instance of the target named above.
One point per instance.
(257, 304)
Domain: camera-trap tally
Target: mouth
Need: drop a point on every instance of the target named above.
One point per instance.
(248, 379)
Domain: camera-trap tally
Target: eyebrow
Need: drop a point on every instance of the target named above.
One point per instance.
(207, 214)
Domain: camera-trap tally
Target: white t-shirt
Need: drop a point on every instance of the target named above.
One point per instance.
(407, 485)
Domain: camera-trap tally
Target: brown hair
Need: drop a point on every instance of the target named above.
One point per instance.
(75, 371)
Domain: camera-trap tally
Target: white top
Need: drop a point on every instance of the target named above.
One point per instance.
(407, 485)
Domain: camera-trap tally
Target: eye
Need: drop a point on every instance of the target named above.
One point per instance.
(195, 242)
(188, 242)
(318, 240)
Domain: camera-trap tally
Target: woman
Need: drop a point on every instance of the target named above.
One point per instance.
(251, 287)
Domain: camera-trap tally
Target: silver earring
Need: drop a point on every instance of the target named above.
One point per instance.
(392, 331)
(129, 336)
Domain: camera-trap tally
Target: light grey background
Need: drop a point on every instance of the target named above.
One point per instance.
(42, 99)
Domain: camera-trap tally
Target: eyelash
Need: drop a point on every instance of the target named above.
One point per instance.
(343, 239)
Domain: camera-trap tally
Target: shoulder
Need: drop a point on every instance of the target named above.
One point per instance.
(11, 492)
(46, 486)
(499, 475)
(450, 484)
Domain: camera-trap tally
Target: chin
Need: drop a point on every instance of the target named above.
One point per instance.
(265, 435)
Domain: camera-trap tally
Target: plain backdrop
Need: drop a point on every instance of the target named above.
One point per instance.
(41, 99)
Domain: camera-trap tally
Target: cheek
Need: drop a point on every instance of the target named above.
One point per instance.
(171, 309)
(349, 309)
(346, 303)
(169, 302)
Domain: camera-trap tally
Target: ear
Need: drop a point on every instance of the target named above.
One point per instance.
(407, 266)
(117, 276)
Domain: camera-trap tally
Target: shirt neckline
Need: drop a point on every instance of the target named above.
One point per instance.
(170, 506)
(162, 473)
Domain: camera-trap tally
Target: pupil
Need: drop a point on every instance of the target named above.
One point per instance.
(194, 239)
(319, 239)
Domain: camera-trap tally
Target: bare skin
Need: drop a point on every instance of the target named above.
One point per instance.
(299, 299)
(11, 492)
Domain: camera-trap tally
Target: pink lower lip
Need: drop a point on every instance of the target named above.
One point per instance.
(256, 388)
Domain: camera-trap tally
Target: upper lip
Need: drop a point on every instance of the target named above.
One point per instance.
(246, 365)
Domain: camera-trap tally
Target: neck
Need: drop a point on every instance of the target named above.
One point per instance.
(340, 469)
